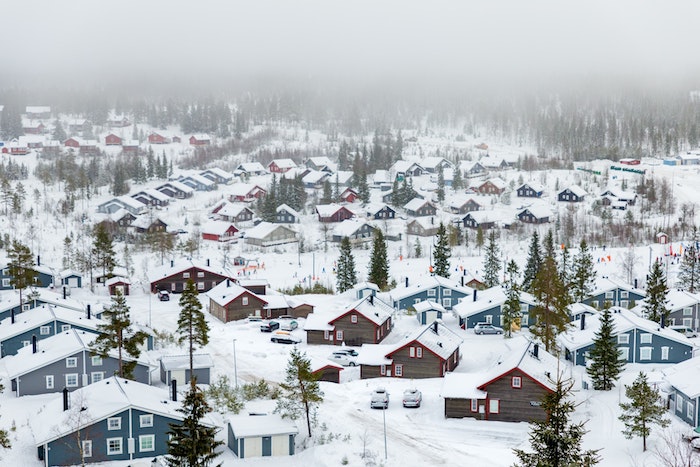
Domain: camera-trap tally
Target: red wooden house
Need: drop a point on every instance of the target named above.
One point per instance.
(349, 195)
(493, 186)
(200, 140)
(333, 213)
(326, 370)
(174, 277)
(113, 140)
(157, 138)
(281, 165)
(72, 143)
(367, 321)
(229, 301)
(219, 231)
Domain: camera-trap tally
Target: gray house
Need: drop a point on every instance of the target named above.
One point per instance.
(684, 400)
(114, 420)
(261, 435)
(64, 361)
(438, 289)
(177, 367)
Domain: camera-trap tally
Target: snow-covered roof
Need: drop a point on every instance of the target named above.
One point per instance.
(403, 166)
(320, 161)
(497, 182)
(577, 190)
(519, 353)
(249, 426)
(327, 210)
(348, 227)
(425, 283)
(433, 161)
(153, 193)
(242, 189)
(425, 222)
(229, 209)
(375, 354)
(416, 203)
(679, 299)
(462, 386)
(182, 362)
(201, 179)
(371, 308)
(251, 167)
(460, 199)
(216, 227)
(538, 211)
(264, 229)
(496, 215)
(536, 186)
(37, 109)
(226, 291)
(42, 315)
(317, 322)
(427, 305)
(10, 298)
(315, 176)
(117, 280)
(145, 221)
(289, 209)
(685, 377)
(178, 186)
(201, 137)
(485, 299)
(435, 337)
(605, 284)
(284, 163)
(127, 200)
(168, 270)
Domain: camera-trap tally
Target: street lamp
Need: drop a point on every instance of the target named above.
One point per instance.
(235, 365)
(384, 418)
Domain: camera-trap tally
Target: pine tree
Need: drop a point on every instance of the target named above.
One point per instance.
(550, 314)
(301, 392)
(457, 180)
(479, 238)
(556, 441)
(346, 275)
(192, 444)
(534, 262)
(379, 264)
(583, 275)
(606, 365)
(363, 188)
(441, 184)
(59, 134)
(103, 250)
(20, 267)
(191, 324)
(655, 302)
(442, 253)
(492, 262)
(118, 334)
(689, 271)
(418, 249)
(327, 196)
(643, 410)
(511, 307)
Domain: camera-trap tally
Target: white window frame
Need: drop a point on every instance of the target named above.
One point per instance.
(97, 376)
(594, 303)
(44, 330)
(339, 335)
(72, 380)
(645, 338)
(86, 447)
(143, 438)
(488, 319)
(645, 353)
(114, 423)
(26, 307)
(200, 285)
(524, 320)
(417, 300)
(494, 403)
(327, 335)
(185, 275)
(398, 371)
(609, 294)
(146, 421)
(431, 293)
(624, 353)
(412, 352)
(6, 282)
(665, 352)
(117, 448)
(382, 370)
(353, 319)
(447, 302)
(244, 301)
(516, 382)
(96, 360)
(419, 352)
(65, 327)
(690, 409)
(688, 311)
(679, 403)
(49, 381)
(446, 292)
(623, 338)
(688, 322)
(624, 303)
(72, 362)
(26, 343)
(624, 294)
(200, 274)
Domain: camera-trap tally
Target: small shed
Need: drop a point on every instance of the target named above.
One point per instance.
(118, 284)
(428, 311)
(662, 238)
(261, 435)
(177, 367)
(326, 370)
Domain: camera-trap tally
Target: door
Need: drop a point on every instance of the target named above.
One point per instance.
(267, 446)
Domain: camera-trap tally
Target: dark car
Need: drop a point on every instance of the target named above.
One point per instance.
(163, 295)
(269, 326)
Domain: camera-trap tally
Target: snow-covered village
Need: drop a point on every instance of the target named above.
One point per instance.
(247, 267)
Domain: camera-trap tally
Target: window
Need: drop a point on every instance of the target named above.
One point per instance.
(624, 303)
(645, 338)
(447, 302)
(185, 275)
(494, 406)
(382, 370)
(96, 376)
(339, 335)
(6, 282)
(523, 307)
(65, 327)
(447, 292)
(488, 319)
(398, 370)
(594, 303)
(72, 380)
(623, 339)
(690, 410)
(417, 300)
(688, 322)
(624, 353)
(71, 362)
(147, 443)
(624, 294)
(523, 320)
(327, 335)
(610, 294)
(146, 421)
(645, 353)
(412, 352)
(244, 301)
(114, 446)
(26, 343)
(687, 311)
(114, 423)
(664, 353)
(353, 319)
(200, 285)
(96, 360)
(419, 352)
(87, 448)
(49, 381)
(45, 330)
(431, 293)
(200, 274)
(516, 382)
(26, 307)
(679, 403)
(475, 405)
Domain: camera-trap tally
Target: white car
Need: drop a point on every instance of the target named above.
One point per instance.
(342, 358)
(284, 337)
(288, 323)
(380, 399)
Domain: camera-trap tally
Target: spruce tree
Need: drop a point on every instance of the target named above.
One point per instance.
(534, 262)
(441, 184)
(20, 267)
(103, 250)
(118, 334)
(301, 393)
(191, 443)
(689, 271)
(511, 307)
(583, 276)
(492, 262)
(479, 238)
(191, 324)
(550, 314)
(655, 301)
(346, 275)
(556, 442)
(327, 196)
(442, 253)
(643, 410)
(363, 188)
(457, 180)
(379, 264)
(605, 363)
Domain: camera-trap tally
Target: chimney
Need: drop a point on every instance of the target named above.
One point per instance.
(462, 280)
(228, 283)
(64, 292)
(536, 351)
(38, 260)
(432, 220)
(172, 263)
(663, 321)
(371, 299)
(406, 281)
(207, 261)
(88, 311)
(474, 299)
(33, 343)
(435, 326)
(635, 283)
(173, 385)
(65, 399)
(12, 317)
(583, 321)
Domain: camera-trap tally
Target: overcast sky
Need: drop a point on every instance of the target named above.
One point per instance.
(490, 40)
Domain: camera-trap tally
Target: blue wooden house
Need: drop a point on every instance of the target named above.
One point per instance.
(684, 309)
(64, 361)
(198, 182)
(379, 211)
(71, 278)
(438, 289)
(684, 400)
(484, 306)
(177, 367)
(364, 289)
(615, 293)
(356, 230)
(9, 302)
(44, 277)
(638, 340)
(530, 190)
(261, 435)
(428, 311)
(286, 215)
(114, 419)
(42, 322)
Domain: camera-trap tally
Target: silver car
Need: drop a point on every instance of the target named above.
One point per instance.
(412, 398)
(485, 328)
(342, 359)
(380, 399)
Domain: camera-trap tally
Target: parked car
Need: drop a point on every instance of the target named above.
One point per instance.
(692, 434)
(342, 358)
(269, 326)
(288, 323)
(412, 398)
(163, 295)
(351, 352)
(284, 337)
(685, 330)
(485, 328)
(695, 444)
(380, 399)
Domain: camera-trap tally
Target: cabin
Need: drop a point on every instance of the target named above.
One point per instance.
(118, 284)
(492, 186)
(530, 190)
(128, 203)
(267, 234)
(684, 309)
(418, 207)
(572, 194)
(684, 398)
(245, 192)
(462, 204)
(313, 179)
(638, 340)
(422, 227)
(534, 215)
(38, 111)
(438, 289)
(118, 121)
(70, 278)
(65, 361)
(379, 212)
(146, 225)
(333, 213)
(281, 166)
(430, 352)
(176, 190)
(325, 370)
(18, 147)
(113, 140)
(32, 127)
(173, 277)
(356, 230)
(349, 195)
(480, 219)
(250, 169)
(217, 175)
(177, 368)
(158, 138)
(118, 420)
(255, 435)
(366, 321)
(198, 182)
(283, 305)
(405, 169)
(614, 293)
(151, 197)
(484, 306)
(474, 169)
(428, 311)
(287, 215)
(237, 213)
(9, 302)
(200, 140)
(229, 301)
(432, 165)
(219, 231)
